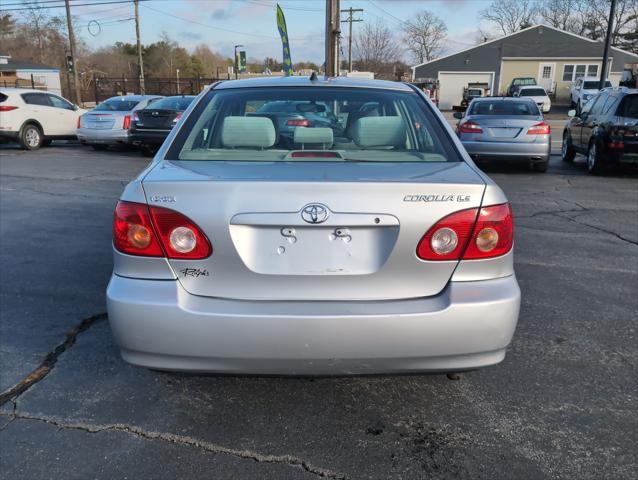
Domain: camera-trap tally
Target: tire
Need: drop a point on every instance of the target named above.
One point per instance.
(567, 152)
(594, 165)
(99, 148)
(31, 137)
(540, 167)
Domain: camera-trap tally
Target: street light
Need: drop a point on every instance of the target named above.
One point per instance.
(236, 61)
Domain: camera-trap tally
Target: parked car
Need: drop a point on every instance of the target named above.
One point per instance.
(583, 89)
(287, 115)
(109, 122)
(34, 118)
(536, 93)
(605, 130)
(519, 82)
(151, 125)
(381, 249)
(505, 128)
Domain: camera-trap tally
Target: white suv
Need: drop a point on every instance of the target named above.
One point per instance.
(583, 89)
(35, 118)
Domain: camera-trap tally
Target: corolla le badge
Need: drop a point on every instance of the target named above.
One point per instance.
(315, 213)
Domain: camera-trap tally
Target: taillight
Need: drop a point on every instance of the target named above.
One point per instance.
(136, 117)
(177, 117)
(539, 129)
(469, 235)
(302, 122)
(7, 108)
(157, 232)
(470, 127)
(616, 144)
(126, 124)
(78, 124)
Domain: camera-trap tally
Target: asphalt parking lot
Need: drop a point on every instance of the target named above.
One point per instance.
(562, 405)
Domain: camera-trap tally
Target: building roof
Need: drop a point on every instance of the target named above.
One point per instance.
(13, 65)
(298, 81)
(535, 42)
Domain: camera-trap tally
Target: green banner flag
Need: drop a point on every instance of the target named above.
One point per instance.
(283, 31)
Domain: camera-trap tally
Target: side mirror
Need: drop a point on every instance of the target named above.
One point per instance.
(571, 113)
(75, 107)
(457, 115)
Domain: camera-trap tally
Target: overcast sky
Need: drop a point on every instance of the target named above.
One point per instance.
(223, 23)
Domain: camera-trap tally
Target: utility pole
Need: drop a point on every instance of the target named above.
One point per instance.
(333, 31)
(350, 20)
(610, 28)
(237, 61)
(76, 82)
(139, 48)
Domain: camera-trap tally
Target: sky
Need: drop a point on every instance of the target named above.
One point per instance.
(221, 24)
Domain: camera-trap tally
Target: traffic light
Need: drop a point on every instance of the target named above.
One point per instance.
(69, 63)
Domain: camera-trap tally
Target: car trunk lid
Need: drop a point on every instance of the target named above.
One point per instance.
(266, 245)
(156, 118)
(511, 129)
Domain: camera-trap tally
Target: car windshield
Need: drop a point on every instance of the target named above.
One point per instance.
(327, 124)
(178, 104)
(116, 105)
(503, 107)
(474, 92)
(594, 85)
(628, 107)
(533, 92)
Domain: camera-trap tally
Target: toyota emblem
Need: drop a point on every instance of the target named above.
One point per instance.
(315, 213)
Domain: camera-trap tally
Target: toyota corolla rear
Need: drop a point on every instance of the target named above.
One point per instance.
(373, 247)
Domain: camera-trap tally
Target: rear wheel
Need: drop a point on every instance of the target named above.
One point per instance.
(594, 165)
(31, 137)
(540, 167)
(99, 148)
(567, 149)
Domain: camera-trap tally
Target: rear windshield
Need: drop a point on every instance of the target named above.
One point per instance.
(315, 124)
(502, 107)
(116, 105)
(594, 85)
(474, 92)
(178, 104)
(533, 92)
(524, 81)
(628, 107)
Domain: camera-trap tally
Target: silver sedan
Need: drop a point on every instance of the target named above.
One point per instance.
(376, 246)
(109, 122)
(505, 128)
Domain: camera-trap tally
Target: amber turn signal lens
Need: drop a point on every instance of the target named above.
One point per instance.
(487, 239)
(139, 236)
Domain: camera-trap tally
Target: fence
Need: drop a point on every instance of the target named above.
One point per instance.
(106, 87)
(16, 82)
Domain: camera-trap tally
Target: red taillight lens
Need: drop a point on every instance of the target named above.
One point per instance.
(469, 234)
(302, 122)
(78, 124)
(157, 232)
(616, 144)
(451, 231)
(133, 231)
(177, 117)
(470, 127)
(539, 129)
(7, 108)
(126, 124)
(493, 234)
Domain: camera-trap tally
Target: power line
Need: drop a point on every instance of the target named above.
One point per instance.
(48, 7)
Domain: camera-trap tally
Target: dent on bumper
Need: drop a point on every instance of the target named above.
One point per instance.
(157, 324)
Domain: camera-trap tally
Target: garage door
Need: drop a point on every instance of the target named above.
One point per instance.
(451, 86)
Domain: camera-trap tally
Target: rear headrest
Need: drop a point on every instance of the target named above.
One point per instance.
(379, 132)
(251, 132)
(323, 136)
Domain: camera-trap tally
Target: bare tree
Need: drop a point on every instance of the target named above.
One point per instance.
(510, 15)
(423, 36)
(374, 48)
(561, 14)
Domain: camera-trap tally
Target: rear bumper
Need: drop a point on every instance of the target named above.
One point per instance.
(504, 150)
(157, 324)
(141, 137)
(96, 136)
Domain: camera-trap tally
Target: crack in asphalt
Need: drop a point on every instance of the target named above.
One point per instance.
(185, 440)
(49, 361)
(600, 229)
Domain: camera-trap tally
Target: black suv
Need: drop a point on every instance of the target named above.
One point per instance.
(605, 130)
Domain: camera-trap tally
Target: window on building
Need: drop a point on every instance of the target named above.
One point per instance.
(547, 71)
(568, 73)
(592, 70)
(572, 72)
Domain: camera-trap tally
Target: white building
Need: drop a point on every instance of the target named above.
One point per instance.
(16, 73)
